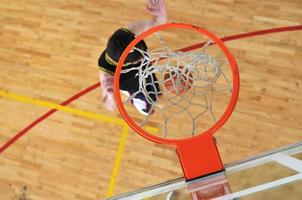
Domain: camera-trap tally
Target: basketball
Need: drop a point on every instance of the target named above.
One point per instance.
(178, 82)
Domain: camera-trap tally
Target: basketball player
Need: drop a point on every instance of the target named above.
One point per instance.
(111, 55)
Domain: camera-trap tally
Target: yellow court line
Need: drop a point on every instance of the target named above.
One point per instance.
(117, 161)
(67, 109)
(85, 114)
(88, 115)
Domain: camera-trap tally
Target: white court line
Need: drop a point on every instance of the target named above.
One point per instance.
(288, 161)
(261, 187)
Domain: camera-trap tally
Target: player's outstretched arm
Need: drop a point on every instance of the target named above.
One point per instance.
(158, 10)
(107, 90)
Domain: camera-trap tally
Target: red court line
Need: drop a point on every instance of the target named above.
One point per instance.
(46, 115)
(96, 85)
(247, 35)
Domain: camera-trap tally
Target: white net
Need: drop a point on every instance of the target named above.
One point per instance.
(181, 87)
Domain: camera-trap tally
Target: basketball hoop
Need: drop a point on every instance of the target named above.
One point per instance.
(184, 79)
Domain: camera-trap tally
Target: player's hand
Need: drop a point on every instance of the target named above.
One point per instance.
(158, 9)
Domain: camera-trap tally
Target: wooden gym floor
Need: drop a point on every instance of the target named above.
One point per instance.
(48, 53)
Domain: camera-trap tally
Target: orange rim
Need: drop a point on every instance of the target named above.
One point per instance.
(219, 122)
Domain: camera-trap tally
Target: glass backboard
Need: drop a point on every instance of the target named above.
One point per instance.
(272, 175)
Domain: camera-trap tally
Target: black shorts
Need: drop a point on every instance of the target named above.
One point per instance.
(129, 81)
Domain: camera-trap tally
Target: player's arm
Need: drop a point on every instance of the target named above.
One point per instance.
(106, 81)
(158, 10)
